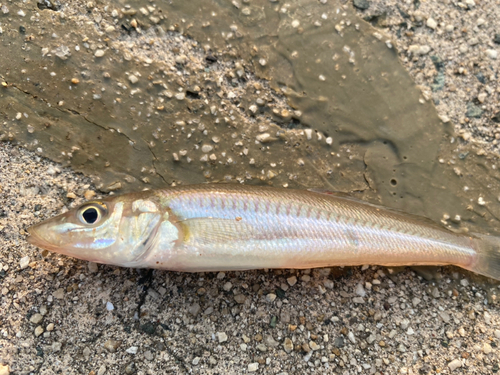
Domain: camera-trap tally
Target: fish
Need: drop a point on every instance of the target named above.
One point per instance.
(227, 227)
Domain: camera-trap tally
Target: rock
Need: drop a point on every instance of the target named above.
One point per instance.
(196, 360)
(270, 297)
(36, 318)
(288, 345)
(93, 267)
(453, 365)
(487, 348)
(99, 53)
(4, 370)
(361, 4)
(431, 23)
(111, 345)
(132, 350)
(240, 298)
(56, 346)
(133, 79)
(445, 316)
(292, 280)
(351, 337)
(24, 262)
(194, 309)
(492, 54)
(473, 111)
(252, 367)
(496, 38)
(38, 331)
(222, 337)
(339, 342)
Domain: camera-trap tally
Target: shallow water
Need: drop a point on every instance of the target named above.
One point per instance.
(295, 94)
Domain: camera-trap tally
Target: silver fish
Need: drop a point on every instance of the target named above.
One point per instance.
(233, 227)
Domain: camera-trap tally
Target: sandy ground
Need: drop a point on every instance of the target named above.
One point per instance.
(61, 315)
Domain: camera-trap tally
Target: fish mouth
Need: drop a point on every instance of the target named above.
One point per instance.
(35, 239)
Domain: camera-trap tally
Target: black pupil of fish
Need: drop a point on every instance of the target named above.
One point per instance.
(90, 215)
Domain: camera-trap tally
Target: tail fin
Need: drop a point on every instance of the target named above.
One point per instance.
(487, 262)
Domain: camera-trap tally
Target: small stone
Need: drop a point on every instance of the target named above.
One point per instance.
(89, 194)
(133, 79)
(93, 268)
(252, 367)
(351, 337)
(99, 53)
(194, 309)
(59, 293)
(492, 54)
(195, 361)
(50, 327)
(453, 365)
(132, 350)
(240, 298)
(4, 369)
(109, 306)
(360, 291)
(473, 111)
(292, 280)
(222, 337)
(270, 297)
(288, 345)
(496, 38)
(487, 348)
(445, 316)
(36, 318)
(207, 148)
(38, 331)
(361, 4)
(56, 346)
(24, 262)
(180, 96)
(431, 23)
(314, 346)
(227, 286)
(111, 345)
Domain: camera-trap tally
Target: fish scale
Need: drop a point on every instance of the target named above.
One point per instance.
(214, 227)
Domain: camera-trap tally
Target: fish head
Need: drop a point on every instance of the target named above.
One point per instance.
(117, 230)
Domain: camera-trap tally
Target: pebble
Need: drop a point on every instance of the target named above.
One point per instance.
(99, 53)
(207, 148)
(292, 280)
(487, 348)
(4, 369)
(56, 346)
(431, 23)
(360, 291)
(132, 350)
(222, 337)
(445, 316)
(102, 370)
(24, 262)
(50, 327)
(227, 286)
(361, 4)
(252, 367)
(133, 79)
(270, 297)
(453, 365)
(109, 306)
(240, 298)
(196, 360)
(38, 331)
(93, 267)
(111, 345)
(288, 345)
(36, 318)
(351, 337)
(492, 54)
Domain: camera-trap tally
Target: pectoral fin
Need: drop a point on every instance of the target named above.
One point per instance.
(209, 231)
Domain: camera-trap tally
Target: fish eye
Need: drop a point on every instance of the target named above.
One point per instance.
(91, 214)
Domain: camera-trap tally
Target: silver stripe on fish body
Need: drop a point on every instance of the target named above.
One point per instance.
(215, 227)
